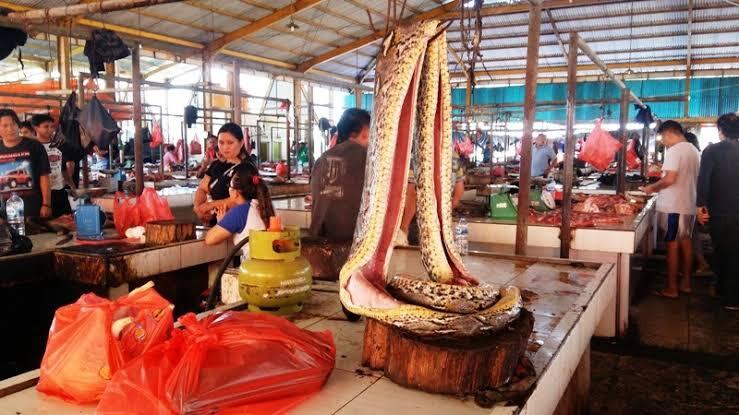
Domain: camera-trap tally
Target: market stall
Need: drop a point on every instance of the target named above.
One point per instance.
(566, 298)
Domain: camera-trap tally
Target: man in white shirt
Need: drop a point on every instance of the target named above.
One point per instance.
(43, 125)
(676, 205)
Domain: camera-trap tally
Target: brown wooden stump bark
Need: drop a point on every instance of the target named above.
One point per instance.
(162, 232)
(453, 366)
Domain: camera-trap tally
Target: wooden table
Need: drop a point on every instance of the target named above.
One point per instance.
(567, 299)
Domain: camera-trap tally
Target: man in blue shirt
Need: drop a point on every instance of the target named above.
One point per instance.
(542, 157)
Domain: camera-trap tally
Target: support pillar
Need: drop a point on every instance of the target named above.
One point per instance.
(207, 97)
(358, 94)
(529, 115)
(565, 230)
(64, 61)
(236, 86)
(138, 143)
(81, 102)
(623, 120)
(298, 112)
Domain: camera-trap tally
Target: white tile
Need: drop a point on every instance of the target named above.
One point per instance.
(170, 258)
(144, 264)
(386, 397)
(29, 401)
(340, 389)
(348, 337)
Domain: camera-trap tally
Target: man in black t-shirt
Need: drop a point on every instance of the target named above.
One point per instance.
(24, 167)
(337, 179)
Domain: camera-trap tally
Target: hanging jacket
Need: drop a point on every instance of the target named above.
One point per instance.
(104, 46)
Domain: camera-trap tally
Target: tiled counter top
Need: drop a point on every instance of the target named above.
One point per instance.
(567, 300)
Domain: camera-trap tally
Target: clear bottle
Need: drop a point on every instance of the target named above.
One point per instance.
(461, 232)
(14, 209)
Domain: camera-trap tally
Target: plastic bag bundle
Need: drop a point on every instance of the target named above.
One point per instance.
(600, 148)
(129, 211)
(632, 157)
(257, 362)
(92, 339)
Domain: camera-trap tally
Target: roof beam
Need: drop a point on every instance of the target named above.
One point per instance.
(379, 34)
(590, 67)
(259, 24)
(583, 45)
(82, 9)
(605, 39)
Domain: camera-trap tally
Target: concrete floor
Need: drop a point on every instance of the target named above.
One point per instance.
(680, 356)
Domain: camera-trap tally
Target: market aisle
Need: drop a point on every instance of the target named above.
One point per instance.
(639, 385)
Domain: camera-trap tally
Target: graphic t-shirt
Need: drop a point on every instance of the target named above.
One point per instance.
(21, 166)
(55, 163)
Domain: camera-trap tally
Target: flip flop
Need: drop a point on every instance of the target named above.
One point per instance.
(661, 293)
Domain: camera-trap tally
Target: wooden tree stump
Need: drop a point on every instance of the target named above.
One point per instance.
(162, 232)
(452, 366)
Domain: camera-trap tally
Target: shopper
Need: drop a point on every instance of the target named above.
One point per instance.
(408, 233)
(718, 205)
(26, 129)
(676, 205)
(217, 178)
(252, 208)
(700, 232)
(43, 125)
(337, 179)
(24, 167)
(543, 157)
(211, 154)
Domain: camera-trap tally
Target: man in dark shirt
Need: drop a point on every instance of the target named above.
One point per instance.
(718, 205)
(337, 180)
(24, 167)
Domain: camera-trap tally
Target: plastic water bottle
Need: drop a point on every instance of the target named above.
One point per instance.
(14, 209)
(460, 236)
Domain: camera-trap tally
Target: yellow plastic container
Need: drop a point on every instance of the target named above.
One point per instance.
(275, 279)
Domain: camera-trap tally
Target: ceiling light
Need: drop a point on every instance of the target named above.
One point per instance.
(292, 26)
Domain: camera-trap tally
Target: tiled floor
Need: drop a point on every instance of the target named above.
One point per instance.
(680, 357)
(692, 323)
(638, 385)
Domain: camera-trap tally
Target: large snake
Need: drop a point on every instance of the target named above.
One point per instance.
(413, 102)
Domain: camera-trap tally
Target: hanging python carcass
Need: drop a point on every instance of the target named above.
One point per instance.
(412, 102)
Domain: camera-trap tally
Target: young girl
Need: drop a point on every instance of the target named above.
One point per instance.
(252, 208)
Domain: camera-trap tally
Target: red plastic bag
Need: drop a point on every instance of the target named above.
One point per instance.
(600, 148)
(632, 159)
(125, 213)
(157, 138)
(83, 352)
(152, 207)
(257, 362)
(195, 147)
(464, 147)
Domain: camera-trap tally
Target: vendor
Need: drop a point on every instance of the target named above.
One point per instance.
(252, 207)
(43, 125)
(217, 178)
(24, 167)
(337, 180)
(543, 157)
(170, 158)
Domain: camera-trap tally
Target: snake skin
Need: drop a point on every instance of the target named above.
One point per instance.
(412, 69)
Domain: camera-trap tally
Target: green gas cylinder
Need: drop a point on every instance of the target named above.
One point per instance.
(275, 279)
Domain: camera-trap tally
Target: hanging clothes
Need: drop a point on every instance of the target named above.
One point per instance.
(104, 46)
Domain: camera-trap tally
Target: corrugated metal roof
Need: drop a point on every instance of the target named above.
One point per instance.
(637, 31)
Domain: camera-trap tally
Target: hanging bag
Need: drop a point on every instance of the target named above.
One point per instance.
(600, 148)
